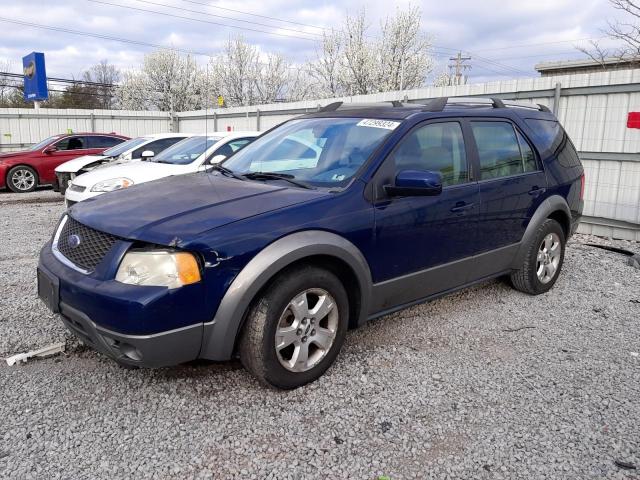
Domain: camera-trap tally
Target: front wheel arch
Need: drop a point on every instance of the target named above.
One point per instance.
(22, 165)
(220, 334)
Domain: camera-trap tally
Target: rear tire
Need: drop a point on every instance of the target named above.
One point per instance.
(294, 330)
(543, 260)
(22, 179)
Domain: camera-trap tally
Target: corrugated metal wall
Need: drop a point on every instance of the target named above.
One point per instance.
(20, 127)
(592, 107)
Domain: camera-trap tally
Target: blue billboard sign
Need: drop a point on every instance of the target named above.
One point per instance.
(35, 77)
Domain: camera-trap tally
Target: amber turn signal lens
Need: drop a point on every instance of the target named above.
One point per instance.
(187, 267)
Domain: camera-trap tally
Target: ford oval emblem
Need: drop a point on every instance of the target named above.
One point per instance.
(74, 240)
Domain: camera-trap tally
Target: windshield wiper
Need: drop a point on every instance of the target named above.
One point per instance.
(225, 171)
(277, 176)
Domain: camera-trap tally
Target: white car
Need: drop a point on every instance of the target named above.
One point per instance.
(190, 155)
(140, 148)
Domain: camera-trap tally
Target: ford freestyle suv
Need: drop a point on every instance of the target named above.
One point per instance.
(23, 171)
(320, 224)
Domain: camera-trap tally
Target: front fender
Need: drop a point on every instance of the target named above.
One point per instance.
(220, 334)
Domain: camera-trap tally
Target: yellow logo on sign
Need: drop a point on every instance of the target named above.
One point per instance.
(30, 70)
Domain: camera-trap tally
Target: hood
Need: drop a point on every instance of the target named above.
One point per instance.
(4, 155)
(137, 171)
(72, 166)
(176, 210)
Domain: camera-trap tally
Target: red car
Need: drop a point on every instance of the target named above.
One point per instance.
(24, 171)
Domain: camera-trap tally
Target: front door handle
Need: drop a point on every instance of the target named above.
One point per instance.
(535, 191)
(461, 207)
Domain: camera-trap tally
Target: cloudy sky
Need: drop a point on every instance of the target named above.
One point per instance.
(505, 38)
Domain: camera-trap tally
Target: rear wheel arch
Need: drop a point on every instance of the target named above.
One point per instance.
(313, 247)
(564, 219)
(554, 207)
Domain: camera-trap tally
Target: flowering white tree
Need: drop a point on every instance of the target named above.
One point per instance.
(168, 81)
(351, 62)
(244, 76)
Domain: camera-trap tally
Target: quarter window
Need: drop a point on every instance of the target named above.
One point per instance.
(502, 151)
(437, 147)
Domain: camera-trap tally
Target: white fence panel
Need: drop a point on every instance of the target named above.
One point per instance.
(592, 107)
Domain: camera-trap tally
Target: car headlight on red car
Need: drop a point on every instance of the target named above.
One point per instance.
(112, 184)
(159, 268)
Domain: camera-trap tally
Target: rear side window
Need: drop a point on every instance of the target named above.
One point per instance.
(502, 151)
(552, 137)
(436, 147)
(102, 141)
(156, 146)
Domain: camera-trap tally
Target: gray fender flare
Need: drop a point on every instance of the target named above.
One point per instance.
(220, 334)
(546, 208)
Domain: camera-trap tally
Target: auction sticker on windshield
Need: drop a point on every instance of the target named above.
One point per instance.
(386, 124)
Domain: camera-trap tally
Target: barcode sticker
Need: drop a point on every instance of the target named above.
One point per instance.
(375, 123)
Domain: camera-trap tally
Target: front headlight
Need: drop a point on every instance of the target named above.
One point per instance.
(159, 268)
(112, 184)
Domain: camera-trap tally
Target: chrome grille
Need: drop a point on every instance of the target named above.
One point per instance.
(83, 246)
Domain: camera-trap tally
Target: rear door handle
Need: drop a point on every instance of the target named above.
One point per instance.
(535, 191)
(461, 207)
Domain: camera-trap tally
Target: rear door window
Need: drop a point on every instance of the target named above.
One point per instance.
(502, 151)
(156, 146)
(102, 141)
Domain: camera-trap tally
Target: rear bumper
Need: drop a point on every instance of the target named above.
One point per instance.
(157, 350)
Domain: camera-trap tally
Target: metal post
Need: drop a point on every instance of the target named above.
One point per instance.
(92, 116)
(215, 121)
(556, 99)
(257, 119)
(36, 106)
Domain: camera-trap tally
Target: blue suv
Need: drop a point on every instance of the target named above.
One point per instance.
(322, 223)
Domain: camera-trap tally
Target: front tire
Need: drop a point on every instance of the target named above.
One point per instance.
(22, 179)
(295, 330)
(543, 260)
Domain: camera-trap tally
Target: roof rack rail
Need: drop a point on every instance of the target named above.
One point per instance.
(332, 107)
(439, 104)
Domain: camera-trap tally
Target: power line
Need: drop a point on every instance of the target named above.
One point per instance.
(201, 20)
(61, 80)
(255, 15)
(102, 37)
(200, 12)
(540, 43)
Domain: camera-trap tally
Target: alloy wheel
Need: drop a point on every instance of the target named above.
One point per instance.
(23, 179)
(306, 330)
(548, 258)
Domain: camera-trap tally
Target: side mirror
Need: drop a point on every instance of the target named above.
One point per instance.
(413, 183)
(147, 154)
(217, 159)
(50, 149)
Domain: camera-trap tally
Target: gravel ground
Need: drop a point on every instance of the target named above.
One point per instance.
(487, 383)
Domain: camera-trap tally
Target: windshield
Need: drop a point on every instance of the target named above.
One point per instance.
(124, 146)
(187, 150)
(44, 143)
(324, 152)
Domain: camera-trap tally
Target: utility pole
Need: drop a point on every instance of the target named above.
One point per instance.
(459, 68)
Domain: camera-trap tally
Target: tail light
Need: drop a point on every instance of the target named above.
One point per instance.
(582, 187)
